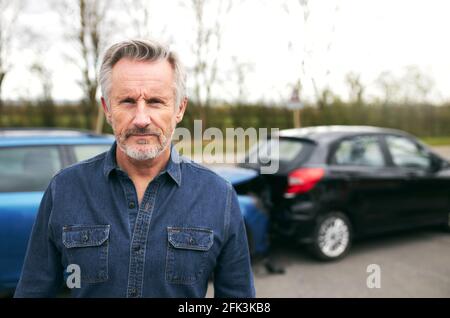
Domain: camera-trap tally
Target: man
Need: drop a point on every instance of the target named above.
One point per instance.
(139, 220)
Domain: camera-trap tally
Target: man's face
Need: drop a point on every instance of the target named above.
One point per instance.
(142, 110)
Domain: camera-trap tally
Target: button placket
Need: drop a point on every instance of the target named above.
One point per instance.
(139, 240)
(131, 199)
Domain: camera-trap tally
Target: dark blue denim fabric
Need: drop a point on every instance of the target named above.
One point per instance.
(187, 227)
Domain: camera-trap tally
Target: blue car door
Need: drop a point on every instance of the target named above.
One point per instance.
(25, 172)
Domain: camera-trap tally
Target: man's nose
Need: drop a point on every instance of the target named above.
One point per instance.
(142, 116)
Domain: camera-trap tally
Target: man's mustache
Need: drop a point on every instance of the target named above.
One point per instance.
(141, 132)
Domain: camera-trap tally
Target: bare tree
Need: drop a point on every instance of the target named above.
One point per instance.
(356, 88)
(9, 12)
(322, 92)
(416, 85)
(300, 82)
(389, 87)
(140, 15)
(46, 102)
(45, 78)
(240, 71)
(206, 48)
(88, 32)
(411, 86)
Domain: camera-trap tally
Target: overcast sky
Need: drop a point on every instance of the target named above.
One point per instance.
(365, 37)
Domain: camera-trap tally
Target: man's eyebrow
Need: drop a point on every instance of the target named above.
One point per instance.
(162, 97)
(125, 95)
(147, 96)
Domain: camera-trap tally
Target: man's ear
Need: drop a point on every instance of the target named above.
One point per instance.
(181, 109)
(106, 111)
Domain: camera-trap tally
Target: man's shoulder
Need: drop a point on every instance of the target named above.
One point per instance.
(203, 174)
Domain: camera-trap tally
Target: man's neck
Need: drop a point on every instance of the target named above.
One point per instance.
(142, 169)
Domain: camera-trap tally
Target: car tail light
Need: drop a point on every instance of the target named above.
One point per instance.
(302, 180)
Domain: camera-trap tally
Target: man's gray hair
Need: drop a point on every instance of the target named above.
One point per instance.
(141, 50)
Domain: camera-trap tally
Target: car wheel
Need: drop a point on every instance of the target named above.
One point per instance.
(332, 236)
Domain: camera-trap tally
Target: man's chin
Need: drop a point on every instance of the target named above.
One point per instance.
(143, 152)
(141, 156)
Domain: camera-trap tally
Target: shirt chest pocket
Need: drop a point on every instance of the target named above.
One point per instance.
(187, 254)
(87, 247)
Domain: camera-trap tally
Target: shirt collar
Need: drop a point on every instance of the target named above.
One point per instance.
(172, 168)
(110, 160)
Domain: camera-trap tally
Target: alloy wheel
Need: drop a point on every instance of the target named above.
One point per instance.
(333, 236)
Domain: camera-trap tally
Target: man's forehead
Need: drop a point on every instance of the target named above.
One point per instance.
(145, 69)
(129, 91)
(131, 75)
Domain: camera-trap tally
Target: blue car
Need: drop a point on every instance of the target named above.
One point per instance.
(255, 215)
(28, 160)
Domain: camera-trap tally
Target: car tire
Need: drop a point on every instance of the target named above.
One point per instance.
(332, 236)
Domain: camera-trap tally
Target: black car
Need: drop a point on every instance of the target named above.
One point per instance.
(335, 183)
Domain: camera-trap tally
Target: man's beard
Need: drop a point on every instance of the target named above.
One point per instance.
(149, 150)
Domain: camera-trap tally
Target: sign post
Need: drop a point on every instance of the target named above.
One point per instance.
(296, 105)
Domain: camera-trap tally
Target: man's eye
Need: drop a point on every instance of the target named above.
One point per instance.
(127, 101)
(154, 101)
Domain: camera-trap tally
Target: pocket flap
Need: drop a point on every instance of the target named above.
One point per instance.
(190, 238)
(85, 235)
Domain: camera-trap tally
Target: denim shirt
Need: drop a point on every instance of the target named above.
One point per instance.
(187, 228)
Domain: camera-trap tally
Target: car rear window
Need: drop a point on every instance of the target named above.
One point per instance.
(288, 150)
(24, 169)
(83, 152)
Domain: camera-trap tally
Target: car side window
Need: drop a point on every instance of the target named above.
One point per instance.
(24, 169)
(359, 151)
(83, 152)
(406, 153)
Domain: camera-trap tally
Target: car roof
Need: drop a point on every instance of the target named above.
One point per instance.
(334, 132)
(50, 136)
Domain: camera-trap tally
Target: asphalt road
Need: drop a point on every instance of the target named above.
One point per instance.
(412, 264)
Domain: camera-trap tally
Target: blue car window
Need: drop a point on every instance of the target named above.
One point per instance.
(83, 152)
(25, 169)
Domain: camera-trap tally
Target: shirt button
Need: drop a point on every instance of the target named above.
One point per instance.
(131, 205)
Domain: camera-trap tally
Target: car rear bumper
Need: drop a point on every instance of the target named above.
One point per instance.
(296, 222)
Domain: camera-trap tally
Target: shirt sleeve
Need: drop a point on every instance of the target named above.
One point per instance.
(233, 277)
(42, 272)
